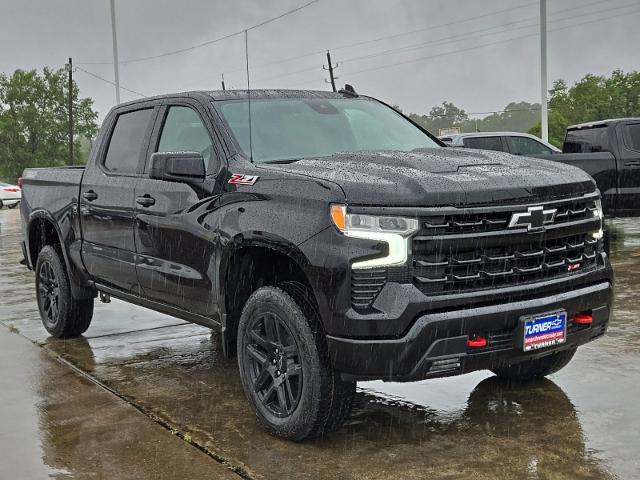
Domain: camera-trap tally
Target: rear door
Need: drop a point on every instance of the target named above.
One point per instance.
(485, 143)
(176, 234)
(629, 169)
(107, 199)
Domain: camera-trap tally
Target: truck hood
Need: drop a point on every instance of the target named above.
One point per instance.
(443, 177)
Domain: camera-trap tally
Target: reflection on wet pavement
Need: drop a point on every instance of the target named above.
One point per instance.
(580, 423)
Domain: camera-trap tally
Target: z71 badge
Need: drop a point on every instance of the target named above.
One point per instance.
(240, 179)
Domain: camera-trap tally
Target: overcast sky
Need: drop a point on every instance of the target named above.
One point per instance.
(479, 54)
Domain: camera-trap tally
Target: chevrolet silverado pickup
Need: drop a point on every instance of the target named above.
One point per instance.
(609, 150)
(329, 238)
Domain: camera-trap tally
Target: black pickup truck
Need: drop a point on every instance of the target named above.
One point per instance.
(329, 238)
(609, 150)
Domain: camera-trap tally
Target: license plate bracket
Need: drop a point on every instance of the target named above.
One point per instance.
(542, 330)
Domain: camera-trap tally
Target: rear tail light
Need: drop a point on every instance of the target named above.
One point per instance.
(11, 189)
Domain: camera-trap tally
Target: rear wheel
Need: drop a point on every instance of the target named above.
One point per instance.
(62, 315)
(285, 369)
(534, 369)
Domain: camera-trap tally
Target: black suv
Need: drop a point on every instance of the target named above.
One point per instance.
(329, 237)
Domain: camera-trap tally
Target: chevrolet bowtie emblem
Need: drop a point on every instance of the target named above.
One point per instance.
(534, 218)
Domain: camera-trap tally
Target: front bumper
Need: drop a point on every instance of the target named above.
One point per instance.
(436, 343)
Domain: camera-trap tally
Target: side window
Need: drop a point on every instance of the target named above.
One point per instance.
(127, 141)
(527, 146)
(587, 140)
(183, 131)
(632, 134)
(484, 143)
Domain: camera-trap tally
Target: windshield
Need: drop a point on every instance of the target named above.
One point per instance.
(292, 129)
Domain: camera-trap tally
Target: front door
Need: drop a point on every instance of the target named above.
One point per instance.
(107, 200)
(175, 235)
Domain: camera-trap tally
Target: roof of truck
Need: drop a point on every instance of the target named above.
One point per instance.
(218, 95)
(602, 123)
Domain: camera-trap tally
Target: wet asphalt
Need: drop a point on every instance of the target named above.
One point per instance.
(143, 395)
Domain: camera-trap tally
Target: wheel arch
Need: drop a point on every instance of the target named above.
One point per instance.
(44, 230)
(251, 262)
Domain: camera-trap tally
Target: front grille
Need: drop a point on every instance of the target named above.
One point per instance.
(474, 249)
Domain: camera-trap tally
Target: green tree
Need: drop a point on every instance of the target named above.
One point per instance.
(557, 127)
(440, 116)
(590, 99)
(34, 122)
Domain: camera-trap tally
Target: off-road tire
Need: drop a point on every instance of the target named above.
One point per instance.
(535, 369)
(63, 316)
(324, 402)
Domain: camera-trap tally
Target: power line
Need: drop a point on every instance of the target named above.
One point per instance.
(471, 35)
(373, 40)
(461, 37)
(487, 44)
(109, 81)
(209, 42)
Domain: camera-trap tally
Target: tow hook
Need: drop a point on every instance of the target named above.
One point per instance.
(105, 298)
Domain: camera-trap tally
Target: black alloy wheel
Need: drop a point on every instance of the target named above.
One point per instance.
(63, 315)
(275, 369)
(49, 293)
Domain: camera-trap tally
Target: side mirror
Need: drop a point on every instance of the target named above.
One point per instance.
(183, 167)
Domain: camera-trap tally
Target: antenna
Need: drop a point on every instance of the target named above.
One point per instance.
(223, 86)
(246, 54)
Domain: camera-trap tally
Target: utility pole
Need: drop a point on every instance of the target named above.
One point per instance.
(69, 67)
(114, 39)
(544, 113)
(223, 87)
(330, 69)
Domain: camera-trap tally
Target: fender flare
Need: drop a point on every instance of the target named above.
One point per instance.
(246, 240)
(79, 290)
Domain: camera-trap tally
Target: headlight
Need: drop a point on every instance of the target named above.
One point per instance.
(597, 213)
(395, 231)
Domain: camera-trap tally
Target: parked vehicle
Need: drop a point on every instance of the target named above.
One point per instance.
(609, 150)
(10, 195)
(515, 143)
(329, 237)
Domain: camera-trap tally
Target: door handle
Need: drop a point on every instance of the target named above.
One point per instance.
(633, 164)
(146, 200)
(90, 196)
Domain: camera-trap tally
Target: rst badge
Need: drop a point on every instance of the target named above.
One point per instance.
(240, 179)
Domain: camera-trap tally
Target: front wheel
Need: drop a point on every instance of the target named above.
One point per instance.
(285, 368)
(534, 369)
(62, 315)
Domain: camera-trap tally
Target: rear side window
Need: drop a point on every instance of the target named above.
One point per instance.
(484, 143)
(587, 140)
(632, 136)
(127, 141)
(527, 146)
